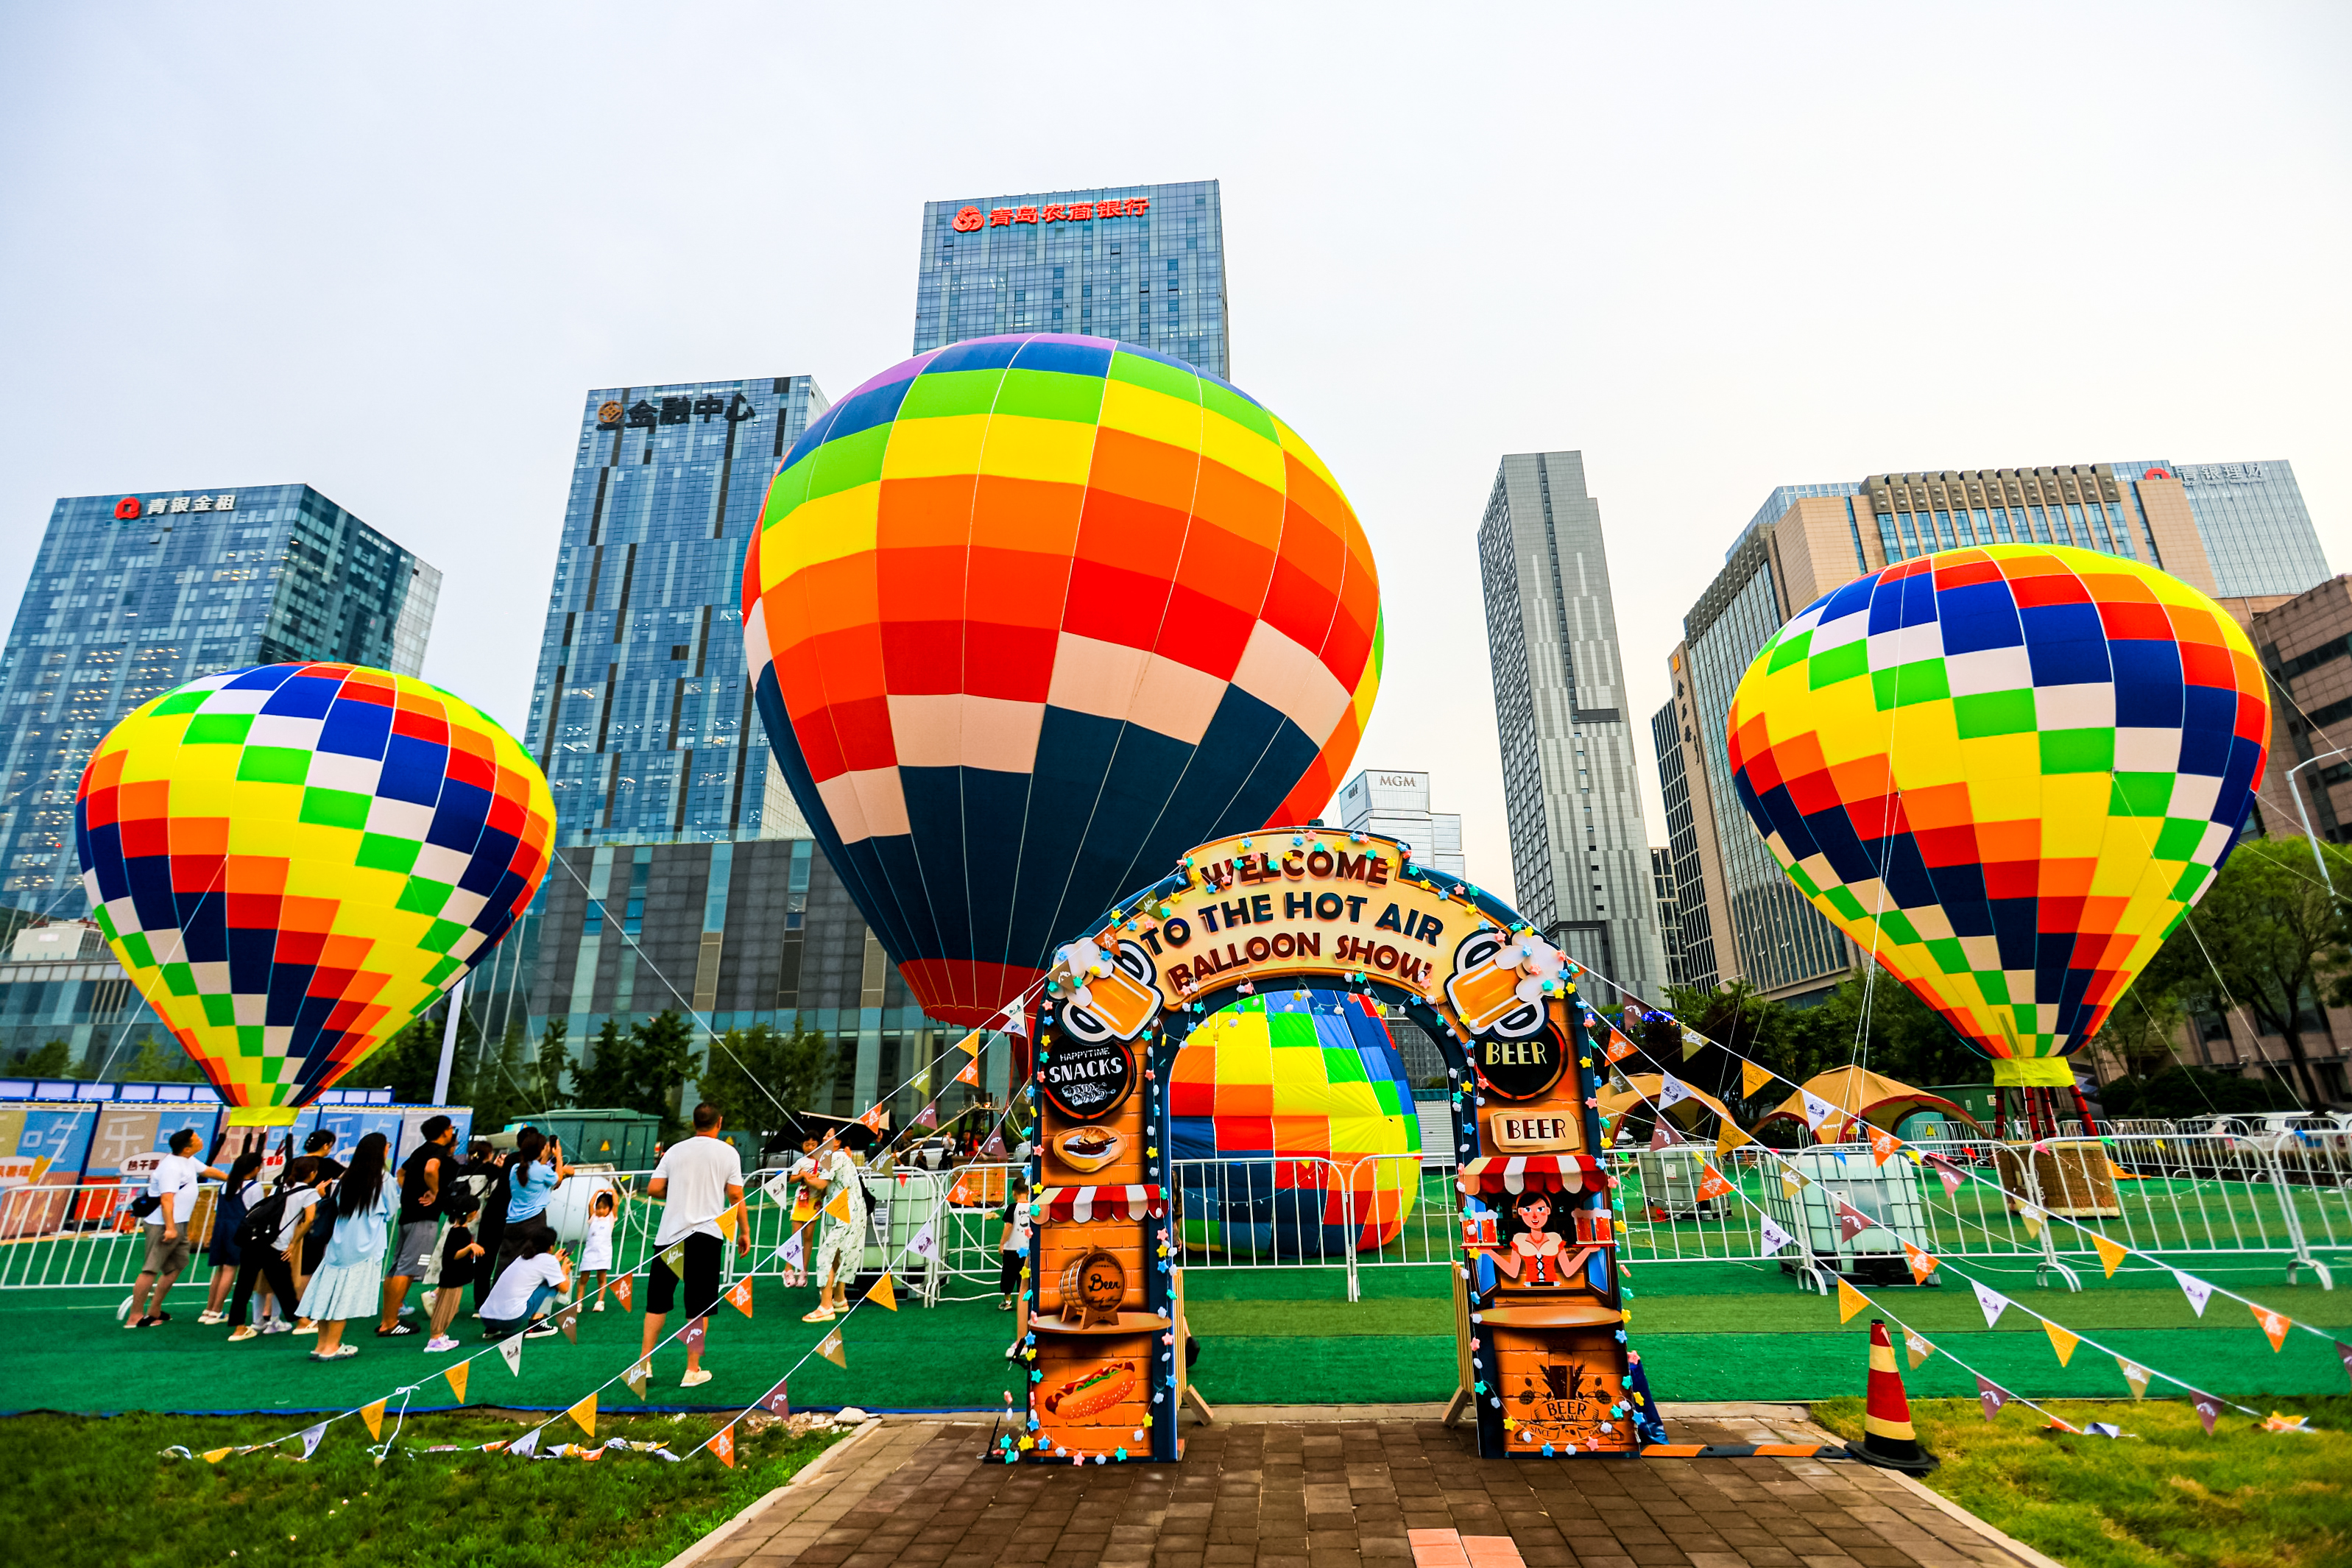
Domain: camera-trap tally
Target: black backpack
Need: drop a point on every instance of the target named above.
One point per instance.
(262, 1222)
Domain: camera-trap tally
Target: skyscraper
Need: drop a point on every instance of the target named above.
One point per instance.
(1579, 850)
(2243, 536)
(1395, 804)
(131, 595)
(1144, 264)
(640, 712)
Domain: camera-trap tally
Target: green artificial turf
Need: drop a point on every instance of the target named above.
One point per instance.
(2165, 1495)
(92, 1490)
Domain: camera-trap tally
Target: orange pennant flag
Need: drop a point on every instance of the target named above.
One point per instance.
(1620, 1048)
(839, 1207)
(1850, 1302)
(1882, 1145)
(621, 1292)
(2111, 1254)
(583, 1414)
(873, 1118)
(723, 1446)
(1731, 1138)
(970, 1045)
(374, 1416)
(882, 1292)
(727, 1220)
(970, 1073)
(457, 1376)
(830, 1348)
(1712, 1186)
(739, 1296)
(1922, 1265)
(1752, 1080)
(2275, 1324)
(2061, 1340)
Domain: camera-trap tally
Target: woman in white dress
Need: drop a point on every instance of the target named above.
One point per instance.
(349, 1280)
(841, 1246)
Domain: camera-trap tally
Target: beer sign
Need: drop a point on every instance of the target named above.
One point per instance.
(1520, 1070)
(1523, 1133)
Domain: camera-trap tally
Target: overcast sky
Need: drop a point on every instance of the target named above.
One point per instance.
(384, 250)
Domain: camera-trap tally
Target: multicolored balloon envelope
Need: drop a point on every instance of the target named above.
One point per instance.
(1030, 616)
(295, 860)
(2007, 773)
(1293, 1097)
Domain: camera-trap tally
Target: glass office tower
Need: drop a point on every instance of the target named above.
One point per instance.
(1144, 264)
(131, 596)
(640, 712)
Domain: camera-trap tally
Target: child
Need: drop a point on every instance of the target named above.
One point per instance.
(238, 1195)
(1014, 1247)
(596, 1251)
(461, 1258)
(803, 1208)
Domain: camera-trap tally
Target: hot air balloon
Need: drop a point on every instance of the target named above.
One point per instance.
(1290, 1095)
(1030, 616)
(2006, 773)
(295, 860)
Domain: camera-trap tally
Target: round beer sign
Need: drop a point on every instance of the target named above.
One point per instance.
(1520, 1070)
(1087, 1080)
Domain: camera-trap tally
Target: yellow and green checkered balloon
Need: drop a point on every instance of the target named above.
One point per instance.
(2006, 773)
(295, 860)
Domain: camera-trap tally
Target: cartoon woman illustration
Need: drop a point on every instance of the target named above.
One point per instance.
(1535, 1256)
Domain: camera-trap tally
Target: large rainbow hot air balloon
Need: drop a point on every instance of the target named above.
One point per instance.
(295, 860)
(1293, 1097)
(1030, 616)
(2006, 773)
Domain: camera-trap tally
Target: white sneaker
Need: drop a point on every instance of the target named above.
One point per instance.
(276, 1326)
(123, 1311)
(438, 1343)
(209, 1316)
(695, 1379)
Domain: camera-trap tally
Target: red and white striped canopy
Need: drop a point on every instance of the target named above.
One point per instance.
(1082, 1204)
(1519, 1173)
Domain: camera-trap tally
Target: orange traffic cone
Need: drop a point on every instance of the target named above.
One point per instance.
(1887, 1439)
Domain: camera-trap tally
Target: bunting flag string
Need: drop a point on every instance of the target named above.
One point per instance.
(310, 1436)
(1711, 1182)
(372, 1416)
(882, 1293)
(1754, 1077)
(830, 1348)
(2061, 1340)
(1915, 1349)
(1921, 1264)
(1882, 1145)
(2135, 1374)
(457, 1379)
(2274, 1325)
(1730, 1138)
(722, 1445)
(583, 1414)
(511, 1349)
(1775, 1239)
(1991, 1395)
(739, 1295)
(1850, 1301)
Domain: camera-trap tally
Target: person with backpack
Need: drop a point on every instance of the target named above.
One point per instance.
(425, 1177)
(349, 1280)
(485, 1177)
(269, 1238)
(238, 1194)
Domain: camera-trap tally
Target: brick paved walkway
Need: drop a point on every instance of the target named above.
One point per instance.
(1331, 1494)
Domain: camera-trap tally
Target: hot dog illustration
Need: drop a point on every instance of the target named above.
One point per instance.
(1094, 1393)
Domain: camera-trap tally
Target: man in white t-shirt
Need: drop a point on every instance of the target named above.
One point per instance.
(174, 1185)
(699, 1179)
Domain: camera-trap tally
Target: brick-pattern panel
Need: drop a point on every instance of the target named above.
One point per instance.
(1336, 1494)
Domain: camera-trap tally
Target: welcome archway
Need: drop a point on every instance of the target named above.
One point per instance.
(1540, 1330)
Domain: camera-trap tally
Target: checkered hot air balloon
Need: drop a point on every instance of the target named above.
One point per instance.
(1292, 1097)
(1031, 616)
(295, 860)
(2006, 773)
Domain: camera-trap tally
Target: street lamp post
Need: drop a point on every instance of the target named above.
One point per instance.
(2302, 811)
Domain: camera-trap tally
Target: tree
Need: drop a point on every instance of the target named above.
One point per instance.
(550, 1066)
(160, 1061)
(404, 1064)
(2271, 937)
(749, 1066)
(641, 1070)
(496, 1087)
(50, 1061)
(2141, 1028)
(605, 1070)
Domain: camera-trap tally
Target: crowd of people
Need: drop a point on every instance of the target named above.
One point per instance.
(334, 1242)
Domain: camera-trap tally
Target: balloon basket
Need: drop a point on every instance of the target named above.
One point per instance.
(263, 1115)
(2070, 1178)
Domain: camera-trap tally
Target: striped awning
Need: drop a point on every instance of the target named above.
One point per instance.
(1080, 1205)
(1520, 1172)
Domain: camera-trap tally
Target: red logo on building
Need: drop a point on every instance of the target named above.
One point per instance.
(126, 509)
(967, 219)
(2156, 474)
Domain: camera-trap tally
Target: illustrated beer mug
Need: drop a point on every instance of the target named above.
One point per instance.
(1120, 1002)
(1479, 1229)
(1487, 992)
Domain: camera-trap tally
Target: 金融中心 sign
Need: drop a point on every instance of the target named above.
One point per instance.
(644, 413)
(968, 219)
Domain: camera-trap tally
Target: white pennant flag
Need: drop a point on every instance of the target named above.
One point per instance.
(924, 1242)
(791, 1251)
(310, 1436)
(1993, 1302)
(1817, 1111)
(2196, 1289)
(1775, 1239)
(1015, 1021)
(1672, 1090)
(511, 1347)
(526, 1445)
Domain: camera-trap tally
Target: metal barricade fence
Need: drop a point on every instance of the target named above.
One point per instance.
(1285, 1213)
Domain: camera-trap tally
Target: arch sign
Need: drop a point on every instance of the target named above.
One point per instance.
(1542, 1344)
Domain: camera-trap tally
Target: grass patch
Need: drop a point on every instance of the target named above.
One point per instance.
(86, 1490)
(2169, 1496)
